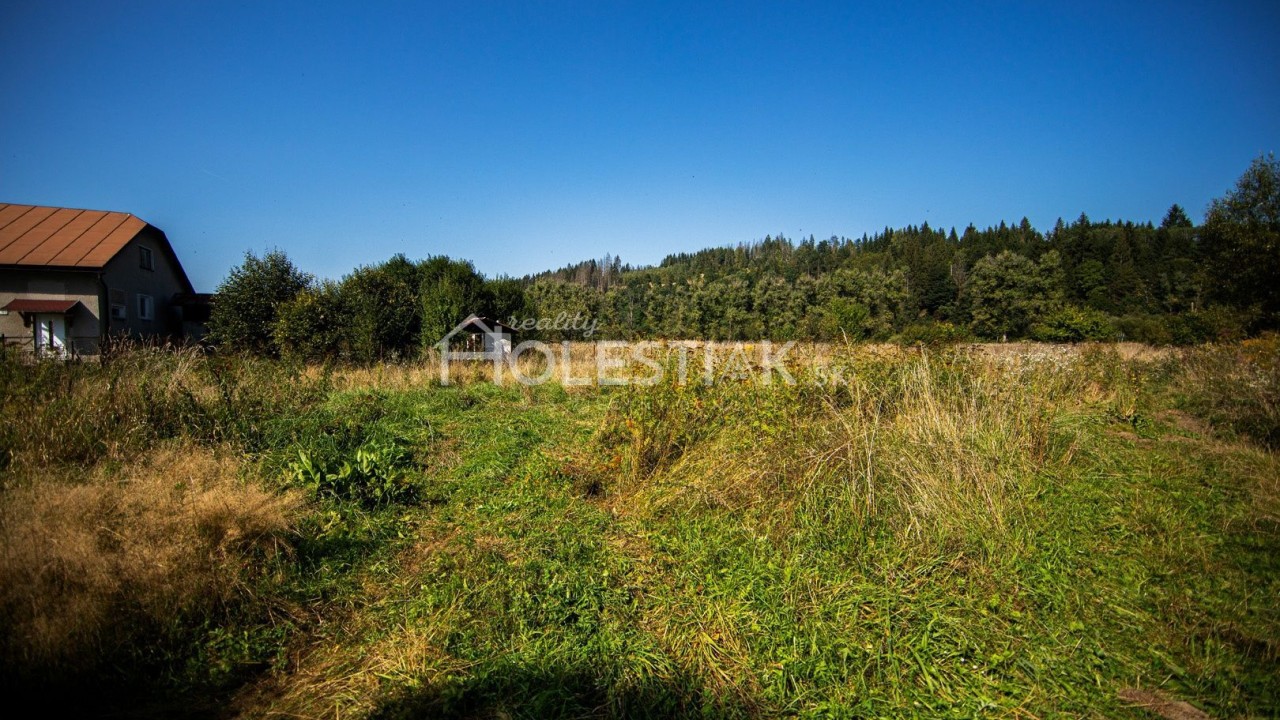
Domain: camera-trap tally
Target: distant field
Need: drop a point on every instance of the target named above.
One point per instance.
(1022, 531)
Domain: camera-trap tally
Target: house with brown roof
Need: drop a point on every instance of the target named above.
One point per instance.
(70, 279)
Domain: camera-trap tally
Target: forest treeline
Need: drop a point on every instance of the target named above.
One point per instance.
(1172, 283)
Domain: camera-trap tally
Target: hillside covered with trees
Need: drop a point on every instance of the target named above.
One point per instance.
(1172, 283)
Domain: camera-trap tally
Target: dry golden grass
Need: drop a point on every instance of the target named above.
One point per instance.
(84, 567)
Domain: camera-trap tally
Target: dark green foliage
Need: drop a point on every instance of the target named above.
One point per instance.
(1218, 323)
(248, 302)
(843, 318)
(506, 299)
(376, 474)
(450, 290)
(1007, 292)
(1241, 239)
(382, 317)
(1071, 323)
(874, 286)
(865, 303)
(552, 299)
(312, 325)
(390, 311)
(933, 333)
(1175, 218)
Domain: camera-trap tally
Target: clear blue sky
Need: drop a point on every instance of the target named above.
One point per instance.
(527, 136)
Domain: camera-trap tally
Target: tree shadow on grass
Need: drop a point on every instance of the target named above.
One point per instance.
(521, 692)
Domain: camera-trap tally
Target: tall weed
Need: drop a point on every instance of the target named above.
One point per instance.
(921, 443)
(80, 413)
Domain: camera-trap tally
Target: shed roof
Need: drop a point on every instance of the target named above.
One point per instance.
(478, 324)
(63, 237)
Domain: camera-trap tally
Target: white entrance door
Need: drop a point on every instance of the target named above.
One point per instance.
(51, 334)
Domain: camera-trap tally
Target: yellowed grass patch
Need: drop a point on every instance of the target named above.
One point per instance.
(84, 566)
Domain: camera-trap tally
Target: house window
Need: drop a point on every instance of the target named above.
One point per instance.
(146, 307)
(119, 311)
(148, 260)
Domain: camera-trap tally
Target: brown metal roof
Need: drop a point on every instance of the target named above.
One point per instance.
(41, 306)
(63, 237)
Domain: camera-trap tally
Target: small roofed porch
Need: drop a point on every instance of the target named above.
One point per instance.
(51, 323)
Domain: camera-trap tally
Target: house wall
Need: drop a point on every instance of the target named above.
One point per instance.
(92, 288)
(125, 272)
(38, 284)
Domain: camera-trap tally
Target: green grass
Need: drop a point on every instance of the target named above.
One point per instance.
(947, 537)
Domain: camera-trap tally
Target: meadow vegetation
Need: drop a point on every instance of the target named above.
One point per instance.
(1039, 531)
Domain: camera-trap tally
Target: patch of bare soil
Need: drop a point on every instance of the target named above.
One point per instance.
(1162, 705)
(1187, 423)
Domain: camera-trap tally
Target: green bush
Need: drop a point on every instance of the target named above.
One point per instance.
(1149, 329)
(1215, 324)
(1074, 324)
(933, 333)
(309, 327)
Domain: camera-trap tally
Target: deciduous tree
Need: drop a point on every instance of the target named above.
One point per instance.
(247, 302)
(1241, 241)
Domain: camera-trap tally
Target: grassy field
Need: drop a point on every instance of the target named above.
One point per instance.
(1012, 532)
